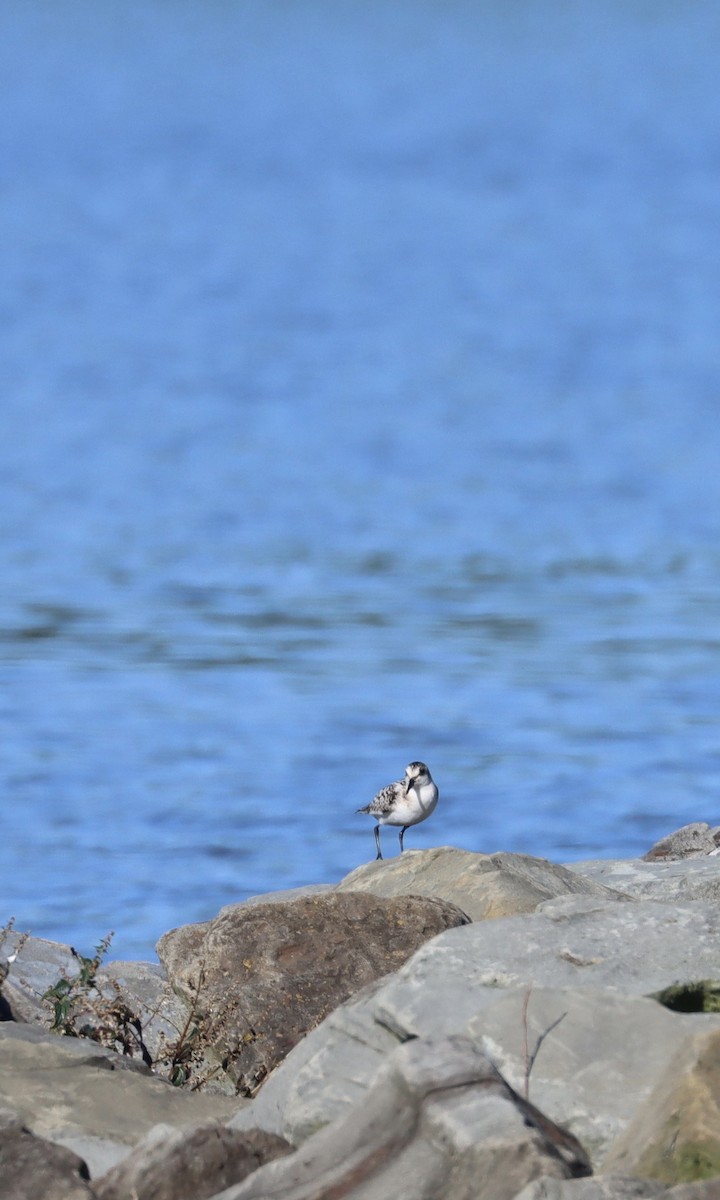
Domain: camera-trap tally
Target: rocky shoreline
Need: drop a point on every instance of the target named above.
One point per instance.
(443, 1025)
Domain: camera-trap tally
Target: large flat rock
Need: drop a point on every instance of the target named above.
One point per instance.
(437, 1119)
(593, 1060)
(585, 968)
(600, 1057)
(73, 1092)
(577, 942)
(482, 885)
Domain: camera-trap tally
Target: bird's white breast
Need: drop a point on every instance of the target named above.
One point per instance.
(413, 807)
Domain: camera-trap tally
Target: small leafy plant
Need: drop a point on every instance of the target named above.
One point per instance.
(82, 1007)
(89, 1004)
(68, 995)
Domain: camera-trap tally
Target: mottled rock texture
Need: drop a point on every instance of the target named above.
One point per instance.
(192, 1164)
(262, 975)
(482, 885)
(691, 841)
(34, 1169)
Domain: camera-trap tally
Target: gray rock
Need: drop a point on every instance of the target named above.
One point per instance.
(190, 1164)
(99, 1153)
(285, 894)
(675, 1134)
(262, 975)
(573, 942)
(482, 885)
(34, 1169)
(608, 1187)
(438, 1119)
(20, 1043)
(326, 1073)
(70, 1088)
(18, 1004)
(162, 1014)
(38, 965)
(599, 1057)
(692, 841)
(618, 1187)
(595, 961)
(132, 1000)
(705, 1189)
(593, 1060)
(691, 879)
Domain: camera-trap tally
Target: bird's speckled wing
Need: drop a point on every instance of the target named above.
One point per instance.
(386, 799)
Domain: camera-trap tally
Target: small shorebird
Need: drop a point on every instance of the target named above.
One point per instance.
(404, 803)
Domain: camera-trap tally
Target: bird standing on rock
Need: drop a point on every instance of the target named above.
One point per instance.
(405, 803)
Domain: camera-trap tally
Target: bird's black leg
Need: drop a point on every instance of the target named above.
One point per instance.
(377, 842)
(402, 831)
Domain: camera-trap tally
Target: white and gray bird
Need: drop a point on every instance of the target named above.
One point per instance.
(405, 803)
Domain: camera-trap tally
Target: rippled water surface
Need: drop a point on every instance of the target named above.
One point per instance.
(360, 403)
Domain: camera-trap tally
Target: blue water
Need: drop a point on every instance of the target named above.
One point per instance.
(360, 403)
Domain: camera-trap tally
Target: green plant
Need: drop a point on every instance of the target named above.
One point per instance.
(84, 1006)
(90, 1004)
(68, 996)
